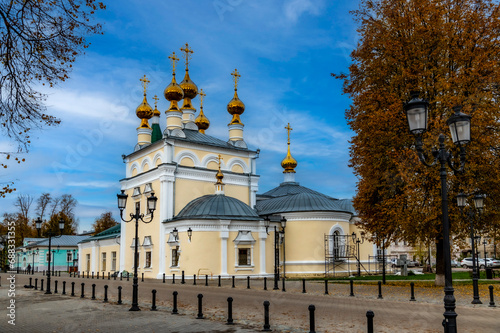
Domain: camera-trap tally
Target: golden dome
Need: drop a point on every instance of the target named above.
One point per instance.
(156, 112)
(173, 92)
(235, 106)
(202, 122)
(190, 89)
(144, 112)
(289, 163)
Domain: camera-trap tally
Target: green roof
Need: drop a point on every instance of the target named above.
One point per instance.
(112, 232)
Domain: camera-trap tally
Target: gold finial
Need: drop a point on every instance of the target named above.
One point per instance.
(187, 51)
(288, 128)
(236, 77)
(174, 60)
(219, 174)
(289, 163)
(202, 94)
(145, 82)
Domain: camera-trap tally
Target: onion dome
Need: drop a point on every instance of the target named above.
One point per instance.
(235, 107)
(201, 121)
(190, 89)
(156, 112)
(144, 110)
(289, 163)
(173, 92)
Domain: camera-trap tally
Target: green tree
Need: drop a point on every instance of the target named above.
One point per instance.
(39, 41)
(448, 50)
(105, 221)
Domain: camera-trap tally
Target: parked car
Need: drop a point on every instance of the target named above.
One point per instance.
(492, 263)
(454, 263)
(467, 263)
(397, 263)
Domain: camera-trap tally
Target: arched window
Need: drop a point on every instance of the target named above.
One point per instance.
(336, 245)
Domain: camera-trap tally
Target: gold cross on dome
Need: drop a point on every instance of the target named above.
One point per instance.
(288, 128)
(145, 82)
(236, 77)
(220, 159)
(174, 60)
(202, 94)
(156, 101)
(187, 51)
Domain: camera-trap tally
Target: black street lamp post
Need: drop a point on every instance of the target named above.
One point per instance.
(459, 123)
(33, 253)
(358, 242)
(484, 251)
(151, 206)
(277, 235)
(478, 203)
(51, 235)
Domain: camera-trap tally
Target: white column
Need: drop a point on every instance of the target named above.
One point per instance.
(122, 246)
(162, 217)
(93, 259)
(262, 248)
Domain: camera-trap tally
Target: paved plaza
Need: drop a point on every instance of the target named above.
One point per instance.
(335, 312)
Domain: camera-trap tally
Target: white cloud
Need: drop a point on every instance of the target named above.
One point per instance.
(94, 184)
(295, 8)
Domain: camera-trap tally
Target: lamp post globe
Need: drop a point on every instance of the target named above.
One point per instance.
(459, 124)
(416, 111)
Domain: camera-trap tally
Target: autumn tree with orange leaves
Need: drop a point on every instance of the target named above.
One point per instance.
(448, 50)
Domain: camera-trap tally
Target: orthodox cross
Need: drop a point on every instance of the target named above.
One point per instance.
(156, 101)
(145, 82)
(187, 51)
(174, 60)
(288, 128)
(202, 94)
(236, 77)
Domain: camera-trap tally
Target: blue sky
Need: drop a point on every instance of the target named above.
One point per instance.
(285, 51)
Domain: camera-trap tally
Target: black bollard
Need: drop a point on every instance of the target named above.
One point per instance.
(114, 275)
(93, 290)
(265, 283)
(369, 316)
(173, 278)
(380, 290)
(64, 288)
(105, 294)
(142, 277)
(31, 285)
(412, 287)
(492, 301)
(206, 280)
(248, 282)
(59, 273)
(69, 274)
(119, 294)
(128, 276)
(194, 280)
(326, 287)
(351, 282)
(303, 286)
(230, 311)
(233, 282)
(267, 327)
(41, 285)
(153, 305)
(72, 289)
(219, 282)
(109, 275)
(97, 275)
(87, 274)
(121, 276)
(83, 290)
(182, 279)
(163, 277)
(55, 287)
(92, 274)
(36, 284)
(283, 284)
(311, 319)
(200, 313)
(174, 310)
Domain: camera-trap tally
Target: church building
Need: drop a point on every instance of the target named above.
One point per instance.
(209, 219)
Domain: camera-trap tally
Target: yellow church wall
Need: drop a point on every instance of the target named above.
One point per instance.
(83, 251)
(186, 190)
(201, 255)
(186, 161)
(236, 168)
(201, 154)
(213, 165)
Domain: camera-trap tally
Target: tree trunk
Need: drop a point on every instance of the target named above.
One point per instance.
(440, 281)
